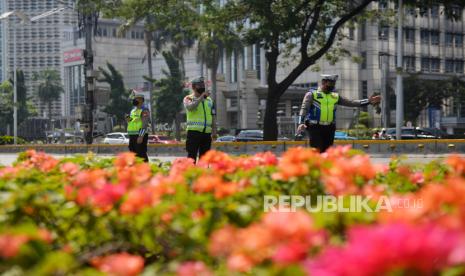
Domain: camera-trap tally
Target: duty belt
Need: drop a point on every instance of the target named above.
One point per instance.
(314, 122)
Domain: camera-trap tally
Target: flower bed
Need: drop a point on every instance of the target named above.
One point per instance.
(90, 216)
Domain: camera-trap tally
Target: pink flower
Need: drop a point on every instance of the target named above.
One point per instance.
(69, 168)
(11, 244)
(382, 249)
(290, 253)
(122, 264)
(193, 269)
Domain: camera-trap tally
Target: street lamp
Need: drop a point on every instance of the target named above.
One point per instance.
(295, 109)
(24, 19)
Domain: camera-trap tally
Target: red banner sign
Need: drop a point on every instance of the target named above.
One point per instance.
(73, 55)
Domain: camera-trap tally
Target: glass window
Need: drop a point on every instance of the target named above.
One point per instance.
(459, 66)
(409, 63)
(449, 66)
(363, 31)
(424, 35)
(364, 60)
(409, 35)
(351, 33)
(435, 64)
(449, 39)
(458, 40)
(364, 92)
(425, 65)
(434, 37)
(434, 11)
(257, 59)
(383, 32)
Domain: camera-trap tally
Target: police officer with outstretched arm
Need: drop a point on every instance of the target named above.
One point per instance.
(138, 123)
(318, 112)
(201, 125)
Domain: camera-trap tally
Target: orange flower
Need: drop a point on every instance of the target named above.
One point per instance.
(296, 162)
(69, 168)
(122, 264)
(193, 269)
(206, 183)
(126, 159)
(457, 163)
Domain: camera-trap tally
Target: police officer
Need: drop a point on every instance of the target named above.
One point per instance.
(201, 125)
(318, 112)
(138, 122)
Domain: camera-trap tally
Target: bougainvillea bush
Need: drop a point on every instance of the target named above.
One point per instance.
(90, 216)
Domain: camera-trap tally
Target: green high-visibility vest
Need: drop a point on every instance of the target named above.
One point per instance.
(201, 118)
(136, 121)
(325, 105)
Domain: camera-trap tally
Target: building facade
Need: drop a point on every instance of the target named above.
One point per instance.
(38, 44)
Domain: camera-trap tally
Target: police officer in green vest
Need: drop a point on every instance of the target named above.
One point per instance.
(138, 123)
(318, 112)
(200, 122)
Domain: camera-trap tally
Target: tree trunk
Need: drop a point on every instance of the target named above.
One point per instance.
(50, 114)
(148, 43)
(270, 122)
(177, 126)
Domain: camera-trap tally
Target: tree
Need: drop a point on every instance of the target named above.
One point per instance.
(49, 88)
(6, 106)
(118, 104)
(420, 94)
(214, 36)
(170, 94)
(298, 33)
(25, 106)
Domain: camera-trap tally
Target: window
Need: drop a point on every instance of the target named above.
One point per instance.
(425, 65)
(114, 32)
(458, 40)
(383, 5)
(449, 39)
(383, 57)
(409, 63)
(434, 37)
(351, 33)
(364, 93)
(257, 59)
(435, 65)
(449, 66)
(434, 11)
(423, 11)
(383, 32)
(363, 31)
(364, 60)
(424, 35)
(459, 66)
(409, 35)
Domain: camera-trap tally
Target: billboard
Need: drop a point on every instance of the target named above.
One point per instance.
(73, 56)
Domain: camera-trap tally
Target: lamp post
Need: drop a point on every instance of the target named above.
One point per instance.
(24, 19)
(295, 108)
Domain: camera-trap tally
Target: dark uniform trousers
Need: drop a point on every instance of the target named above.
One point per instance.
(321, 137)
(139, 149)
(197, 143)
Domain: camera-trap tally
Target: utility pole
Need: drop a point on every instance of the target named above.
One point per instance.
(88, 16)
(399, 71)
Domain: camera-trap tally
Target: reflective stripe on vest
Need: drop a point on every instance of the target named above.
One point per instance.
(323, 109)
(200, 119)
(136, 121)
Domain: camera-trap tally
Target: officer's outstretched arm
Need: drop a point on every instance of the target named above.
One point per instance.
(352, 103)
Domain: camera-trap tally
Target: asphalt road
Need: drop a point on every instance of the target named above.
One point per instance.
(7, 159)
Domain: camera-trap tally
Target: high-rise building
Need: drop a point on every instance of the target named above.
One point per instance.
(2, 44)
(38, 44)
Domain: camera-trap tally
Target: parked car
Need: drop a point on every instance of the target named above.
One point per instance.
(341, 135)
(250, 135)
(417, 133)
(227, 138)
(116, 138)
(160, 139)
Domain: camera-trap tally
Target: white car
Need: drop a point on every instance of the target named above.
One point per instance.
(116, 138)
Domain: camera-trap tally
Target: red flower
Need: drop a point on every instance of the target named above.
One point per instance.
(122, 264)
(11, 244)
(193, 269)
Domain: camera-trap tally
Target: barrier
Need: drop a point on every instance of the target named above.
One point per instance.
(424, 146)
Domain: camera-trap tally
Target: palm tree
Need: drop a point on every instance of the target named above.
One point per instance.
(118, 104)
(49, 89)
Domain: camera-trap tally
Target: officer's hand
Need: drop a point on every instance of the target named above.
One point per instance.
(301, 128)
(128, 118)
(140, 139)
(374, 100)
